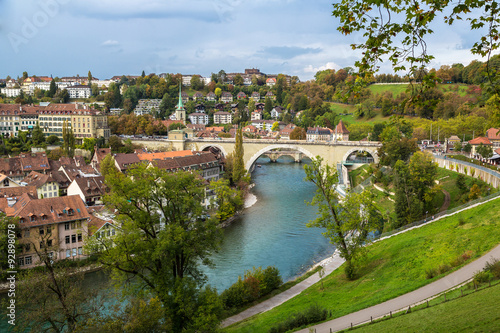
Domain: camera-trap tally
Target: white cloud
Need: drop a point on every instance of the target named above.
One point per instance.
(110, 42)
(328, 65)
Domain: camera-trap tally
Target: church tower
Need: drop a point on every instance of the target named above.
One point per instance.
(180, 111)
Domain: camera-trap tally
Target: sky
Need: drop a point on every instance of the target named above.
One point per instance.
(116, 37)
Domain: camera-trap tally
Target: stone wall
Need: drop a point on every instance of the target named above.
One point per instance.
(489, 176)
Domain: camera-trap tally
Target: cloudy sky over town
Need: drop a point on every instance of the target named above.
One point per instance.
(115, 37)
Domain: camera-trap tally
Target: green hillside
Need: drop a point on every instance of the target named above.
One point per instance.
(395, 266)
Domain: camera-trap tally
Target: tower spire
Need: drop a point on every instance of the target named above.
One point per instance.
(180, 105)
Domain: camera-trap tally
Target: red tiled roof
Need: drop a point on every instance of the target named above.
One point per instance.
(164, 155)
(479, 140)
(53, 210)
(341, 129)
(493, 133)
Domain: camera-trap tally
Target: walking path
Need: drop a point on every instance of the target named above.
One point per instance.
(329, 266)
(402, 302)
(446, 202)
(334, 262)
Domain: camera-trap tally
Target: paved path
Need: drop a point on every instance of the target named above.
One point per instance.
(451, 280)
(329, 265)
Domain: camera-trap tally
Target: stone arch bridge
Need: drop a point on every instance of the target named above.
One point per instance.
(331, 152)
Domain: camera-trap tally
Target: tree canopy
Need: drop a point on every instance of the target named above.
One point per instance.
(347, 221)
(164, 237)
(397, 30)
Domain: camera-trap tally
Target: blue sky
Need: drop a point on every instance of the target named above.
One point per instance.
(115, 37)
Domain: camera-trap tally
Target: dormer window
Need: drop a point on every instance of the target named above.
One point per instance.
(71, 211)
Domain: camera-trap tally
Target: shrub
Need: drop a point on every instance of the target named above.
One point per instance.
(430, 273)
(271, 279)
(255, 283)
(443, 268)
(493, 267)
(482, 277)
(312, 315)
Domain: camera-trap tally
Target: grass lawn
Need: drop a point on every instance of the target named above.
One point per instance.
(395, 89)
(351, 119)
(393, 267)
(447, 180)
(475, 312)
(358, 175)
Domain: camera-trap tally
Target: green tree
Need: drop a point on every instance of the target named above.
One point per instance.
(415, 187)
(52, 139)
(218, 92)
(348, 221)
(108, 167)
(163, 239)
(89, 144)
(457, 146)
(238, 80)
(68, 139)
(89, 79)
(398, 30)
(467, 147)
(275, 127)
(485, 151)
(238, 164)
(395, 147)
(298, 133)
(268, 105)
(37, 135)
(251, 105)
(52, 89)
(227, 200)
(25, 75)
(461, 184)
(196, 83)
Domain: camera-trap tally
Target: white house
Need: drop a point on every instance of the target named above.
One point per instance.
(79, 91)
(223, 117)
(198, 118)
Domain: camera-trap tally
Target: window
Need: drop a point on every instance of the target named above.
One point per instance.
(40, 230)
(79, 223)
(67, 240)
(73, 238)
(79, 237)
(66, 226)
(27, 247)
(74, 251)
(32, 218)
(80, 251)
(27, 260)
(49, 229)
(49, 242)
(42, 245)
(112, 231)
(20, 261)
(72, 225)
(68, 253)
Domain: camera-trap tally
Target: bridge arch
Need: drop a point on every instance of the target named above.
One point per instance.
(208, 145)
(369, 151)
(254, 158)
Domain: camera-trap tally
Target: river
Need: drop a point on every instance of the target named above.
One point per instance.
(272, 232)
